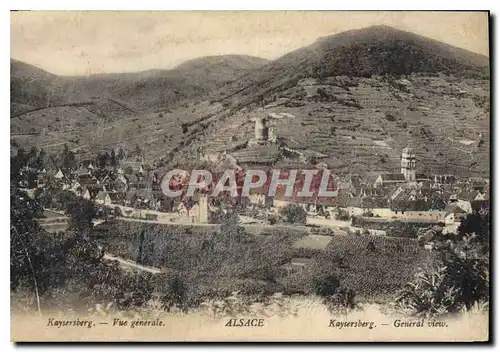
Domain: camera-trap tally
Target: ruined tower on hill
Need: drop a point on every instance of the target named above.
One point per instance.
(261, 136)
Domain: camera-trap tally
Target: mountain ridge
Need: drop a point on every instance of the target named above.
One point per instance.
(33, 87)
(375, 50)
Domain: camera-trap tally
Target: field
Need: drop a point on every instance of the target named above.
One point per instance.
(255, 263)
(54, 222)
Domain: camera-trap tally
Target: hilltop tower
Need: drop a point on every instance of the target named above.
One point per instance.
(261, 129)
(408, 168)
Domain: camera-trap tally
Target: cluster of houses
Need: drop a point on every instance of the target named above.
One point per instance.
(405, 196)
(132, 184)
(129, 184)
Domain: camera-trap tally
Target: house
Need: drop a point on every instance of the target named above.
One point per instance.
(116, 197)
(95, 189)
(467, 197)
(297, 266)
(130, 198)
(259, 199)
(58, 175)
(144, 196)
(87, 164)
(87, 179)
(75, 186)
(377, 206)
(259, 196)
(453, 214)
(189, 209)
(422, 178)
(355, 206)
(444, 179)
(133, 167)
(103, 198)
(131, 179)
(118, 185)
(310, 203)
(478, 205)
(151, 217)
(477, 184)
(85, 193)
(194, 211)
(182, 209)
(418, 210)
(41, 180)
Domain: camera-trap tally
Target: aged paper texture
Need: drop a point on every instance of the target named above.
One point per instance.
(250, 176)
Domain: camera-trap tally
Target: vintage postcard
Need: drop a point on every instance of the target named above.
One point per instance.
(250, 176)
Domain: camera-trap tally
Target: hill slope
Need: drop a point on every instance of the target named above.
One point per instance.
(33, 88)
(30, 87)
(420, 92)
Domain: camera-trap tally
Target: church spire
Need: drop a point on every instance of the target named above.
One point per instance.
(408, 164)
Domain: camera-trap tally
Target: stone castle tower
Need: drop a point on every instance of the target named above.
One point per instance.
(261, 135)
(408, 167)
(261, 129)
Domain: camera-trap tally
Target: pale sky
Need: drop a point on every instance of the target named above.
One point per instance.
(74, 43)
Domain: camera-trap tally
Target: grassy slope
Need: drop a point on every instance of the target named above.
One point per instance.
(32, 87)
(375, 50)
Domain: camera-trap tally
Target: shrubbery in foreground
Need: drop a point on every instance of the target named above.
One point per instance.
(457, 282)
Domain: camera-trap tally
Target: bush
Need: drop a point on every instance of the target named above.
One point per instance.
(293, 214)
(390, 117)
(334, 295)
(342, 215)
(272, 220)
(325, 286)
(118, 211)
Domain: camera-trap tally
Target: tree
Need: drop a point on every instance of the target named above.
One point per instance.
(138, 150)
(326, 285)
(459, 279)
(59, 267)
(67, 158)
(293, 214)
(118, 211)
(40, 160)
(121, 154)
(477, 223)
(103, 160)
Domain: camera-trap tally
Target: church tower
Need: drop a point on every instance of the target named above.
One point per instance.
(203, 205)
(408, 164)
